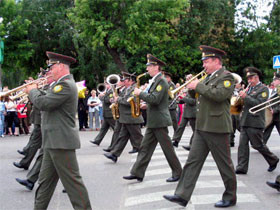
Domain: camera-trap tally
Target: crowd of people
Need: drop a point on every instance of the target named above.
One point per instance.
(125, 106)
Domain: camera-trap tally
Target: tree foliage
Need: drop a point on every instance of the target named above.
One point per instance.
(110, 36)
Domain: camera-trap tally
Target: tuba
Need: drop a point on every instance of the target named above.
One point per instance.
(113, 80)
(101, 88)
(135, 106)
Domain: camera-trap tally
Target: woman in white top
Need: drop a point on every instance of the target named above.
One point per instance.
(12, 117)
(93, 109)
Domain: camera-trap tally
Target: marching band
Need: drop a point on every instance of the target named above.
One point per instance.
(216, 104)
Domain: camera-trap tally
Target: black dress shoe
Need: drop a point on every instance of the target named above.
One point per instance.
(21, 152)
(175, 143)
(275, 185)
(176, 199)
(131, 177)
(18, 165)
(107, 150)
(94, 142)
(133, 151)
(114, 158)
(223, 203)
(173, 179)
(29, 185)
(240, 172)
(272, 167)
(187, 147)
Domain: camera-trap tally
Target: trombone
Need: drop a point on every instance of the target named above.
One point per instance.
(202, 76)
(267, 104)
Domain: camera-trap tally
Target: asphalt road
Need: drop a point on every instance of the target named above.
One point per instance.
(107, 189)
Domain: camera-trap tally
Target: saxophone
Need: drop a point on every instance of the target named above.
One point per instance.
(135, 106)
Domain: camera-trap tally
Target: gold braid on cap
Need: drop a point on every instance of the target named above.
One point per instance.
(208, 55)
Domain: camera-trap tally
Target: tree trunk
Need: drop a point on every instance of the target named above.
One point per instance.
(116, 56)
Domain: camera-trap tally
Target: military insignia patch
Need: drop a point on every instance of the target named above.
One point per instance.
(264, 94)
(159, 88)
(227, 83)
(111, 95)
(57, 88)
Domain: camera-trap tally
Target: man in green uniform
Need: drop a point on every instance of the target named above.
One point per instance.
(275, 111)
(213, 126)
(60, 137)
(131, 127)
(158, 120)
(252, 125)
(189, 115)
(107, 115)
(118, 125)
(172, 105)
(35, 141)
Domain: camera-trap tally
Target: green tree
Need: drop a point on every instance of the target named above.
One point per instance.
(127, 30)
(18, 50)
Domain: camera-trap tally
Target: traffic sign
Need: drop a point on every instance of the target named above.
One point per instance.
(276, 62)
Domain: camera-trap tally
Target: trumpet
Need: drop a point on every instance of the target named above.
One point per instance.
(20, 94)
(267, 104)
(202, 76)
(40, 81)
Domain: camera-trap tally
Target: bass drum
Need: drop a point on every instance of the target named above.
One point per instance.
(268, 117)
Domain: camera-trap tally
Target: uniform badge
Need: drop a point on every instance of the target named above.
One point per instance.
(57, 88)
(171, 88)
(111, 95)
(159, 88)
(264, 94)
(227, 83)
(132, 93)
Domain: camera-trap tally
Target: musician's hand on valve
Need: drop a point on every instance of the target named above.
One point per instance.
(29, 88)
(193, 84)
(137, 91)
(242, 94)
(188, 77)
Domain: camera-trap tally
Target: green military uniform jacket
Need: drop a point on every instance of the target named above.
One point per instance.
(215, 94)
(35, 116)
(158, 115)
(171, 87)
(190, 105)
(125, 108)
(255, 96)
(106, 103)
(58, 108)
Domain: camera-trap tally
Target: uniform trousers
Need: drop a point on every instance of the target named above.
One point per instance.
(173, 114)
(107, 123)
(235, 125)
(128, 131)
(116, 134)
(61, 164)
(35, 143)
(152, 137)
(179, 132)
(218, 145)
(255, 137)
(268, 130)
(33, 174)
